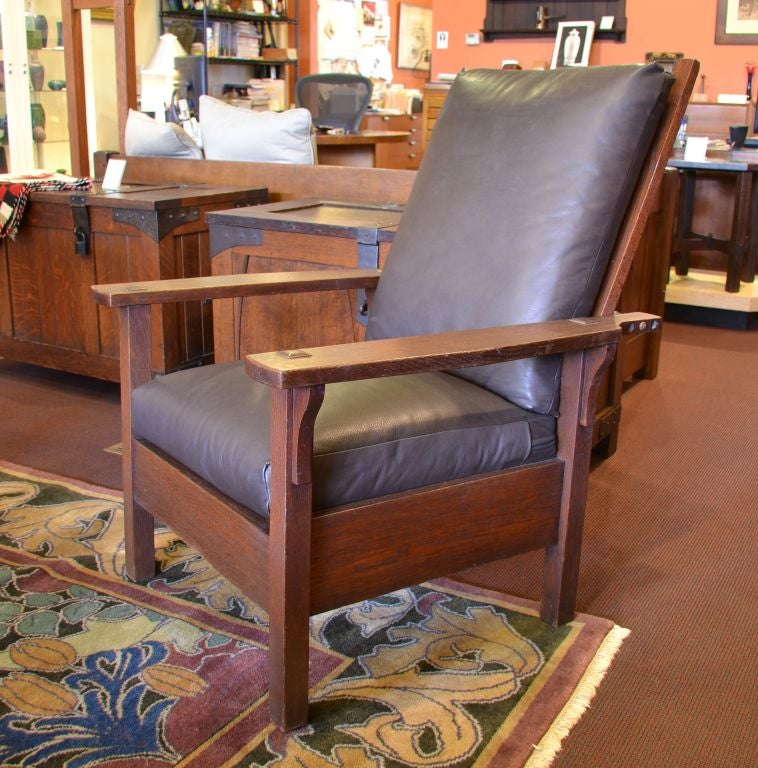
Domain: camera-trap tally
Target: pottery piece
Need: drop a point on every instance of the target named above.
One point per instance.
(37, 75)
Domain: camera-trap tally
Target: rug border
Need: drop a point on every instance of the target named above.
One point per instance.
(28, 473)
(586, 665)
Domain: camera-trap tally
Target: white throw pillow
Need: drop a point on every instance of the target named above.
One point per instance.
(235, 133)
(145, 136)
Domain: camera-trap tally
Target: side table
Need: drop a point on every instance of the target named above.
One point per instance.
(295, 235)
(740, 247)
(66, 243)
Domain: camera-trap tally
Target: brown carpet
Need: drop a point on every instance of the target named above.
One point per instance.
(669, 551)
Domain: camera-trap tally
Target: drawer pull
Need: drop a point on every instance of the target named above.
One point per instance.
(411, 155)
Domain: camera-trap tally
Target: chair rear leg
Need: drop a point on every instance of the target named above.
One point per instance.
(580, 378)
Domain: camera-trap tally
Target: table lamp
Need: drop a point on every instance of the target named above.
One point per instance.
(158, 78)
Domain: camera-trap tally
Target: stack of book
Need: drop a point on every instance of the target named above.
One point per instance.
(248, 41)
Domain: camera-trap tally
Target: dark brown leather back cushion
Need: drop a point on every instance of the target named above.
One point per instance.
(516, 208)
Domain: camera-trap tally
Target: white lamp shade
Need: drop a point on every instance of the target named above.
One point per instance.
(166, 51)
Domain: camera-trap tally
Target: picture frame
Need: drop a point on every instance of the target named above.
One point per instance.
(573, 40)
(737, 22)
(414, 37)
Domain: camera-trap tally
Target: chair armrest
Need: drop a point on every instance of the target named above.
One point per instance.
(443, 351)
(232, 286)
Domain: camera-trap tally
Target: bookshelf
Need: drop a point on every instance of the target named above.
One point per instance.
(238, 40)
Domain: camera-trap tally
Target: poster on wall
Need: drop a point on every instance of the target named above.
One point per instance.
(338, 34)
(414, 37)
(352, 37)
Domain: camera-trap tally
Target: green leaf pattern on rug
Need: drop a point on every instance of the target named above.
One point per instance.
(429, 675)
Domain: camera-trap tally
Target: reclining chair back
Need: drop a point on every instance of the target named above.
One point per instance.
(546, 163)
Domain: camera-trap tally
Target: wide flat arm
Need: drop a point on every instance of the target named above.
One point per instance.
(460, 349)
(232, 286)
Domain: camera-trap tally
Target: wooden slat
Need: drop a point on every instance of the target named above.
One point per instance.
(206, 520)
(358, 551)
(284, 181)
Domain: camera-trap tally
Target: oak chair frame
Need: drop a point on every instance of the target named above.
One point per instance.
(296, 564)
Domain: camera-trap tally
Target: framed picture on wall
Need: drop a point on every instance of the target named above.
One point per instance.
(573, 40)
(414, 37)
(737, 22)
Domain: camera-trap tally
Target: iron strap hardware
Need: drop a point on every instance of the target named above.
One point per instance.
(368, 258)
(156, 224)
(80, 216)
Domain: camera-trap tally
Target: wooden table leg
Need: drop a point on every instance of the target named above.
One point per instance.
(684, 223)
(751, 256)
(739, 251)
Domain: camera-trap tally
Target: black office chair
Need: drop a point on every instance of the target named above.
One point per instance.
(334, 99)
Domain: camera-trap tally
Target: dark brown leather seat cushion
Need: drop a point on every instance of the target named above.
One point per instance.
(371, 437)
(516, 208)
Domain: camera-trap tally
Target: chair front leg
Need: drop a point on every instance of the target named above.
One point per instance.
(293, 413)
(135, 367)
(580, 377)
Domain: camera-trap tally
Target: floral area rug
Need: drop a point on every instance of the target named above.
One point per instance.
(98, 671)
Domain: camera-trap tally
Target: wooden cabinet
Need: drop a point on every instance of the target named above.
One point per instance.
(66, 243)
(520, 18)
(434, 96)
(404, 155)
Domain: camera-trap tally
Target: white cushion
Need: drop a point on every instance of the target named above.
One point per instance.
(234, 133)
(145, 136)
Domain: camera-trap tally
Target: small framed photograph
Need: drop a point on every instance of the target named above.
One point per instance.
(573, 40)
(737, 22)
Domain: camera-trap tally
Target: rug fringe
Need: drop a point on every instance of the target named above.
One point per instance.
(549, 745)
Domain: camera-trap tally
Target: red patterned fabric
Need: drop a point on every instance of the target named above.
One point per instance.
(15, 191)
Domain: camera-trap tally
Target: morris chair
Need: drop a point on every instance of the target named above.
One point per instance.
(460, 431)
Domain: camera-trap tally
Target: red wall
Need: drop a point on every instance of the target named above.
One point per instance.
(653, 25)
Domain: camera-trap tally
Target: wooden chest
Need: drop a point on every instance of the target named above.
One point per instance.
(68, 242)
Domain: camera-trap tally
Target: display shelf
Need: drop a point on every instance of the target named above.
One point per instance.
(519, 18)
(33, 117)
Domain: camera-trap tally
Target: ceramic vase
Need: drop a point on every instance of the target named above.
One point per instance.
(40, 24)
(37, 75)
(38, 123)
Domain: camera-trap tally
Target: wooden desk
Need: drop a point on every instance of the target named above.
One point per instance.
(146, 232)
(739, 249)
(355, 149)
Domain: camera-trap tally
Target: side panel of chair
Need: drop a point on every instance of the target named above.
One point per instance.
(644, 291)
